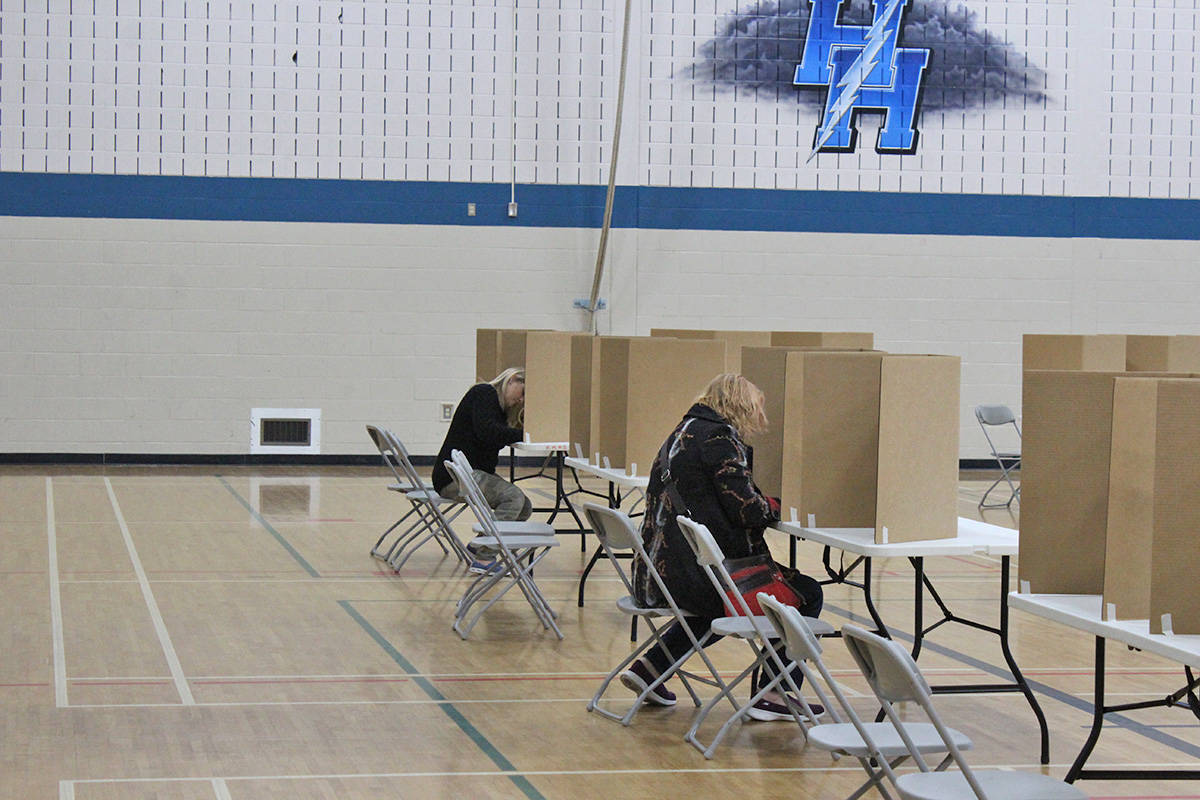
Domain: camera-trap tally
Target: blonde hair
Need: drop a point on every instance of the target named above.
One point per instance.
(739, 401)
(500, 384)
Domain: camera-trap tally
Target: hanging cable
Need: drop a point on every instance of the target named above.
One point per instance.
(612, 170)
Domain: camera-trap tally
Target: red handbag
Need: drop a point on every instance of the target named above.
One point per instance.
(759, 573)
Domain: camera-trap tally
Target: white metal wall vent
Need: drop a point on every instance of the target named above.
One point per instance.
(276, 431)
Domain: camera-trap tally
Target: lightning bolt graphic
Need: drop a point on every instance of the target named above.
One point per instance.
(851, 84)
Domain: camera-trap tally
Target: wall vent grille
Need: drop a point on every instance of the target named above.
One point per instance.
(285, 430)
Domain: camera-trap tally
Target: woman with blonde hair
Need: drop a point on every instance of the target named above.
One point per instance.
(487, 419)
(703, 472)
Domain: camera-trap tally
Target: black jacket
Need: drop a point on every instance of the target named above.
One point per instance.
(710, 465)
(479, 429)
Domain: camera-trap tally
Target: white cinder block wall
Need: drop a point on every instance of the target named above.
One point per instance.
(151, 320)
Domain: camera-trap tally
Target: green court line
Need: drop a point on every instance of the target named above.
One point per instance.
(278, 536)
(455, 715)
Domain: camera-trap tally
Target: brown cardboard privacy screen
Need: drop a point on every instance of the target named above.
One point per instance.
(646, 386)
(1162, 353)
(918, 449)
(582, 367)
(734, 341)
(487, 354)
(1176, 509)
(1127, 545)
(766, 368)
(548, 385)
(1065, 449)
(831, 437)
(1102, 352)
(852, 339)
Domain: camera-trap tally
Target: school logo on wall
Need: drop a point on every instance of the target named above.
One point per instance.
(862, 68)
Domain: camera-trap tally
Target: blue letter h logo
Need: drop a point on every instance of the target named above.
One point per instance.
(863, 69)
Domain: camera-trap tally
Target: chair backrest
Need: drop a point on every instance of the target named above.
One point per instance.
(894, 677)
(388, 452)
(805, 649)
(616, 531)
(460, 470)
(712, 560)
(994, 415)
(405, 462)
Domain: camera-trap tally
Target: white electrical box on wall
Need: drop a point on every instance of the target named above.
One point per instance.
(279, 431)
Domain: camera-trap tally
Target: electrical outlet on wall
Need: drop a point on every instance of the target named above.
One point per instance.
(447, 412)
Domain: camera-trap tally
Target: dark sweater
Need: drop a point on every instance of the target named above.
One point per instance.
(479, 429)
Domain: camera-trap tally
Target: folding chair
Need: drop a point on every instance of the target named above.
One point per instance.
(895, 678)
(434, 512)
(402, 484)
(740, 624)
(998, 416)
(617, 533)
(840, 737)
(519, 547)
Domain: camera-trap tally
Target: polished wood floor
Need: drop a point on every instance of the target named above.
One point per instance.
(202, 633)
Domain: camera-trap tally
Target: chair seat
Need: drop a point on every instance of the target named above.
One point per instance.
(517, 541)
(743, 627)
(405, 488)
(423, 495)
(843, 737)
(513, 528)
(629, 605)
(998, 784)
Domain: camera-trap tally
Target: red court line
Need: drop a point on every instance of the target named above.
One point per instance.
(87, 682)
(984, 567)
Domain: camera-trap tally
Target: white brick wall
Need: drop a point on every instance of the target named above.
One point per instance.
(159, 337)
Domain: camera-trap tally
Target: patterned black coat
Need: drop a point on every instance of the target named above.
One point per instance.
(711, 467)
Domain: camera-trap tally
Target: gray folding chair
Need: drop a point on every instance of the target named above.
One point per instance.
(617, 533)
(424, 504)
(842, 737)
(519, 546)
(1009, 460)
(895, 678)
(741, 624)
(434, 514)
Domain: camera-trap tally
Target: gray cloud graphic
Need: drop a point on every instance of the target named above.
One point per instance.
(969, 67)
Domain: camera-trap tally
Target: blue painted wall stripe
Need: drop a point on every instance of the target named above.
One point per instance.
(27, 194)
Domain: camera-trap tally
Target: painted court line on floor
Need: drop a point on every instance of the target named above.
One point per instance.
(160, 628)
(270, 529)
(56, 618)
(463, 724)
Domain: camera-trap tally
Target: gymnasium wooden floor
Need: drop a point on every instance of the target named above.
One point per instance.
(206, 633)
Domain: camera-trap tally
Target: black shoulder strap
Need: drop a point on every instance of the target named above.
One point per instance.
(664, 460)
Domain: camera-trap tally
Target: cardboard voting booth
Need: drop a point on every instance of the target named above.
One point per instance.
(735, 341)
(549, 373)
(645, 386)
(1162, 353)
(1065, 449)
(860, 439)
(1101, 352)
(497, 349)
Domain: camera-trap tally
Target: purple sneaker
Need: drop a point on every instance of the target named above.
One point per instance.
(768, 711)
(637, 679)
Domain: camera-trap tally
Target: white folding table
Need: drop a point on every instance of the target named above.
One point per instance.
(1082, 612)
(552, 453)
(620, 485)
(974, 538)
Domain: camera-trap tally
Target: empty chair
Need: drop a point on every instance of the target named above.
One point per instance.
(845, 737)
(430, 512)
(435, 515)
(741, 624)
(617, 534)
(997, 417)
(894, 677)
(519, 546)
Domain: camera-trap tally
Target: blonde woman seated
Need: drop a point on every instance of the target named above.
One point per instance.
(709, 464)
(487, 419)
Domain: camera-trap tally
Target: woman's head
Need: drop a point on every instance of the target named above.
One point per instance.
(510, 386)
(737, 400)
